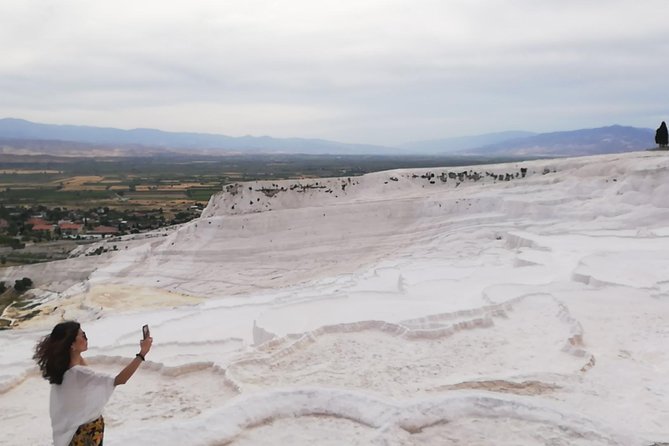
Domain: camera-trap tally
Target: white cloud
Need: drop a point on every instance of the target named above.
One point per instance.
(400, 69)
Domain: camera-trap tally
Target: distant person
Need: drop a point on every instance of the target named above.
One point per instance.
(662, 136)
(78, 394)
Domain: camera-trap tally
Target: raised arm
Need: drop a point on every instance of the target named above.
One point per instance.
(130, 369)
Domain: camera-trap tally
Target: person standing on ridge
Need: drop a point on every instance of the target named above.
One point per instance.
(662, 136)
(78, 394)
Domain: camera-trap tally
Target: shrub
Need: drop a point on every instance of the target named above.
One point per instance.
(21, 285)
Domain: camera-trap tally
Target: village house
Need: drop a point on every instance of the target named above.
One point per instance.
(103, 231)
(48, 227)
(40, 225)
(70, 229)
(36, 221)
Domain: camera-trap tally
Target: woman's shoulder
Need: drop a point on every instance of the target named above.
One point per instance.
(83, 372)
(77, 371)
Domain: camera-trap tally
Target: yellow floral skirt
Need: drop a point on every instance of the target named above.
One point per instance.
(89, 434)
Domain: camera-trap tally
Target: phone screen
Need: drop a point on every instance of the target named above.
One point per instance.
(145, 331)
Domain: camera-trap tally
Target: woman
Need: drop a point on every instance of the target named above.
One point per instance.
(78, 394)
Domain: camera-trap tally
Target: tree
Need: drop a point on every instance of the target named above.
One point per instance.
(12, 230)
(662, 136)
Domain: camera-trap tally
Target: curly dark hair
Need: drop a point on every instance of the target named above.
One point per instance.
(52, 353)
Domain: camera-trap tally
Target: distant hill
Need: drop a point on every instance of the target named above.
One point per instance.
(21, 130)
(441, 146)
(18, 136)
(58, 148)
(612, 139)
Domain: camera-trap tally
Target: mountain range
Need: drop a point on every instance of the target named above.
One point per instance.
(146, 141)
(21, 136)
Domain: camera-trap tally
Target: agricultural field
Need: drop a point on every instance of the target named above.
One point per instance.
(131, 184)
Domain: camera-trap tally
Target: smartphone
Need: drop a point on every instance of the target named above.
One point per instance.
(145, 331)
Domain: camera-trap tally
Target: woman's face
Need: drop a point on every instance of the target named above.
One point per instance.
(80, 343)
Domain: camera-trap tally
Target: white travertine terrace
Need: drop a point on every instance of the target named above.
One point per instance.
(477, 305)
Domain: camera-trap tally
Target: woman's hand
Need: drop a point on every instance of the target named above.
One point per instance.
(145, 345)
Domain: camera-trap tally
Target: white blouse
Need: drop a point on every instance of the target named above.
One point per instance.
(78, 400)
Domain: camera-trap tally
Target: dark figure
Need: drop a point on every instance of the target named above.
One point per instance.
(662, 136)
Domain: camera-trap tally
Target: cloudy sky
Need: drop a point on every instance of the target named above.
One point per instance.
(369, 71)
